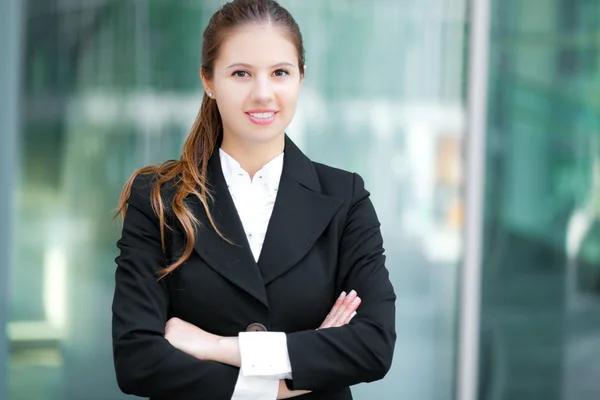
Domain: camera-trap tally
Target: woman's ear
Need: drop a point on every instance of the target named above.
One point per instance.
(207, 85)
(303, 74)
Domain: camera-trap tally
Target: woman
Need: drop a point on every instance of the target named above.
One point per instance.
(232, 257)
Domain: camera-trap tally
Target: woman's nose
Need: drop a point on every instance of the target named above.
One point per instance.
(262, 91)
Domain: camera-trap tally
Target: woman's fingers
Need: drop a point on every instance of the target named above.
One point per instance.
(337, 305)
(342, 310)
(330, 318)
(345, 312)
(350, 318)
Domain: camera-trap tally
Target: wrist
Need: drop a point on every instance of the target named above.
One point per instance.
(227, 351)
(209, 351)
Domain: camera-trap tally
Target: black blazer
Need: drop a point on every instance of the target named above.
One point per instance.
(323, 237)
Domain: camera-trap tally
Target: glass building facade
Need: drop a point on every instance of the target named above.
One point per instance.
(541, 257)
(92, 90)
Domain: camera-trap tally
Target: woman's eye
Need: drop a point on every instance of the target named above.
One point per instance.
(281, 72)
(240, 74)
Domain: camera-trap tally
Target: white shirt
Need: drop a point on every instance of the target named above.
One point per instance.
(265, 358)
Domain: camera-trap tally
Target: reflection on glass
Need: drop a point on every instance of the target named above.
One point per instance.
(111, 86)
(541, 318)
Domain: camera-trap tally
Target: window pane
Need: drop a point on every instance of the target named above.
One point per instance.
(541, 298)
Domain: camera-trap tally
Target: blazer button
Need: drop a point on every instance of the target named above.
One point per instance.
(256, 327)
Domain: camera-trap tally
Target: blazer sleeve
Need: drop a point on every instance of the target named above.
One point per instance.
(362, 350)
(146, 363)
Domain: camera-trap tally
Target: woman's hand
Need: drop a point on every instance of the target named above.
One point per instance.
(191, 339)
(285, 393)
(207, 346)
(341, 313)
(343, 310)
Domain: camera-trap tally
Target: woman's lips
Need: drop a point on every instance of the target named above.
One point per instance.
(261, 117)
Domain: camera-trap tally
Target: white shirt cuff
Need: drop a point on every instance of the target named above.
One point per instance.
(265, 354)
(255, 388)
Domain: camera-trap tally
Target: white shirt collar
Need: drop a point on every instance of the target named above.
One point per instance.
(269, 173)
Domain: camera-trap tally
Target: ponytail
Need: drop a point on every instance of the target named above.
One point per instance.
(189, 172)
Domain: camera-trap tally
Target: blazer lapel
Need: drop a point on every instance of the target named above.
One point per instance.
(300, 215)
(234, 262)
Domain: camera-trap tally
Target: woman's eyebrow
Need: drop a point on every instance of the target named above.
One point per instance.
(279, 65)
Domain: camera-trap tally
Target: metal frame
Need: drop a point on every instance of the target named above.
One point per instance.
(10, 48)
(470, 285)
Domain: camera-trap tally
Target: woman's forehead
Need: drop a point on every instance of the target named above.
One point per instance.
(258, 46)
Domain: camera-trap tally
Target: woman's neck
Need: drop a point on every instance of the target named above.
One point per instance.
(252, 156)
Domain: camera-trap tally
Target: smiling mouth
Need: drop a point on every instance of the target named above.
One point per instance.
(262, 118)
(262, 115)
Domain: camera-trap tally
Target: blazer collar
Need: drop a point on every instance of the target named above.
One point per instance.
(299, 167)
(300, 215)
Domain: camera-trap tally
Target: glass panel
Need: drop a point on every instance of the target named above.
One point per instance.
(541, 298)
(111, 86)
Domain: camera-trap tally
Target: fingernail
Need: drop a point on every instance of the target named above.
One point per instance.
(356, 300)
(342, 295)
(352, 315)
(352, 293)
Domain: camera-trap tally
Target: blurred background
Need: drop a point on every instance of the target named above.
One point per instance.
(91, 90)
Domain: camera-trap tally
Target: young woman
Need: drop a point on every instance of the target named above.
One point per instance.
(232, 257)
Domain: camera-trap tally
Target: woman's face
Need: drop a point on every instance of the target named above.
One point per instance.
(256, 82)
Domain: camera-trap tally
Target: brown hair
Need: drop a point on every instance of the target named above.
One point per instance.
(189, 172)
